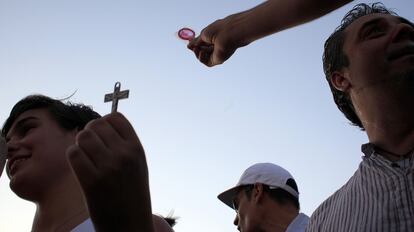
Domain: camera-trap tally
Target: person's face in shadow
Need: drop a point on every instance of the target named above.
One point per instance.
(380, 50)
(36, 154)
(247, 215)
(380, 74)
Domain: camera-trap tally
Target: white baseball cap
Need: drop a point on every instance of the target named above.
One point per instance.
(265, 173)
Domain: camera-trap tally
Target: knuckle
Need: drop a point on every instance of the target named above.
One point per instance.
(71, 149)
(96, 123)
(84, 135)
(130, 153)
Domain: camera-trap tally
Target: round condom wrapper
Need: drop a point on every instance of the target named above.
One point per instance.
(186, 33)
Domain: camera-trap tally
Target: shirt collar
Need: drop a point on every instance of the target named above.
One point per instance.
(368, 149)
(299, 223)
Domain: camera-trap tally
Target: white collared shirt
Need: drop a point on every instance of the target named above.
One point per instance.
(298, 224)
(85, 226)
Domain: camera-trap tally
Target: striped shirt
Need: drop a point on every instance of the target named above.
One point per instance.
(378, 197)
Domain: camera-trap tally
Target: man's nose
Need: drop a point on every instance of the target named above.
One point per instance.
(236, 220)
(402, 32)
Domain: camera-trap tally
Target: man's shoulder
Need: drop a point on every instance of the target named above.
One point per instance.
(326, 211)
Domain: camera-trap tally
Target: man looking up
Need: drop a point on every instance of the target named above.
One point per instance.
(266, 199)
(369, 64)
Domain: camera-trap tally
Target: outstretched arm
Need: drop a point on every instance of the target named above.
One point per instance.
(219, 40)
(109, 162)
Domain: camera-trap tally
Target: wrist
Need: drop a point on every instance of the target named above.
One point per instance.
(238, 31)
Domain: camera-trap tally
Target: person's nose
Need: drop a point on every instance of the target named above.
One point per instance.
(236, 220)
(12, 147)
(402, 32)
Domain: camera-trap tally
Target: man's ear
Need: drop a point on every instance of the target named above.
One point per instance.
(340, 81)
(258, 192)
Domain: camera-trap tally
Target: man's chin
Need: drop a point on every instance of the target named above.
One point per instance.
(405, 78)
(403, 85)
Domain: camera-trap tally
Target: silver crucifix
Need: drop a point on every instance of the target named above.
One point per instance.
(115, 96)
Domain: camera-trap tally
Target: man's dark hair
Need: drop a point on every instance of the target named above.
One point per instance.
(68, 115)
(334, 58)
(279, 195)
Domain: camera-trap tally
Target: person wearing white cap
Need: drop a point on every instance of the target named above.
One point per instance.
(266, 199)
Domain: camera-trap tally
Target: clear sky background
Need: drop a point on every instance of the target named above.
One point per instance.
(201, 127)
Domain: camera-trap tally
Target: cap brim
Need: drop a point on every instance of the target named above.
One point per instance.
(227, 196)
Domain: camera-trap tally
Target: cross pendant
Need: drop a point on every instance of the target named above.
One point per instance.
(115, 96)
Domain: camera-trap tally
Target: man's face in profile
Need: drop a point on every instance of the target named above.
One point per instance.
(380, 48)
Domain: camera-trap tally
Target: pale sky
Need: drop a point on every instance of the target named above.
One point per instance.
(201, 127)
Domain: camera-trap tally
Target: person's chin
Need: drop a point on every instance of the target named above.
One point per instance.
(401, 63)
(404, 81)
(19, 185)
(407, 75)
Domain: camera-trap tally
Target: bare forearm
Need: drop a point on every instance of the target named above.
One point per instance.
(276, 15)
(219, 40)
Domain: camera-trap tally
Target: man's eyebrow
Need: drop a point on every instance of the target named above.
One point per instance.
(19, 124)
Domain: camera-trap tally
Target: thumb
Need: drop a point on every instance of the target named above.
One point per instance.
(220, 55)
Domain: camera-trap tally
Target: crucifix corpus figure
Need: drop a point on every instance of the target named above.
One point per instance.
(115, 96)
